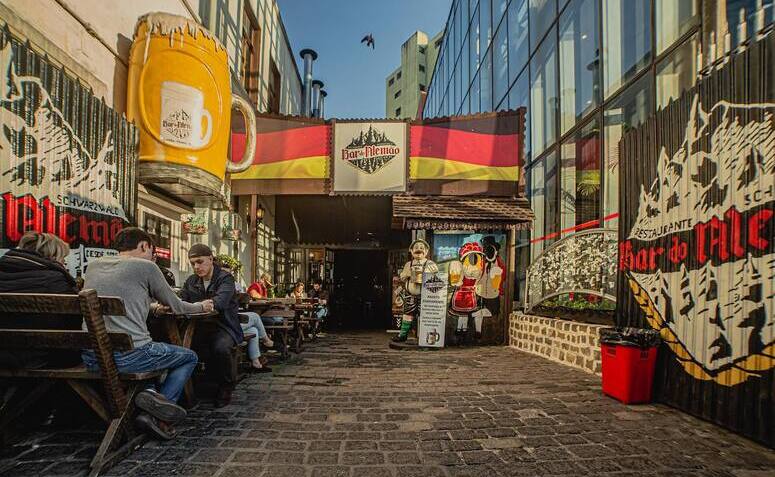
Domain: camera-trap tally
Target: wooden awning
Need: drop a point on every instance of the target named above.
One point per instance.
(461, 213)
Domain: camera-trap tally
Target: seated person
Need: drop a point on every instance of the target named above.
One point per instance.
(132, 276)
(36, 265)
(210, 281)
(255, 326)
(262, 288)
(321, 310)
(298, 291)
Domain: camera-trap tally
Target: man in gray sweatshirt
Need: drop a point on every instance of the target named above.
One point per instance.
(132, 276)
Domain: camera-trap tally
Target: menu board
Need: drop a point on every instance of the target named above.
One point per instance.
(433, 310)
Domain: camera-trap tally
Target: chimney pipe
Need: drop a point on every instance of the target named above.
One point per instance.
(322, 104)
(316, 85)
(309, 56)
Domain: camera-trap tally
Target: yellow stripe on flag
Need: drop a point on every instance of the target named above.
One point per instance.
(435, 168)
(315, 167)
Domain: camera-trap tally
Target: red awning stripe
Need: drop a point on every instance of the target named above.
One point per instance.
(285, 145)
(499, 150)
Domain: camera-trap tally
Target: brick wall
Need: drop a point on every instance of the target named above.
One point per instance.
(566, 342)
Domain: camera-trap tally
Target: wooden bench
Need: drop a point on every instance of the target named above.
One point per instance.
(280, 332)
(115, 404)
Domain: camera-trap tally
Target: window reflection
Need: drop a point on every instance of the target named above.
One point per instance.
(474, 95)
(626, 40)
(518, 48)
(498, 9)
(519, 96)
(579, 61)
(500, 65)
(627, 111)
(473, 39)
(537, 192)
(485, 75)
(580, 158)
(543, 94)
(485, 25)
(552, 184)
(673, 18)
(677, 73)
(542, 13)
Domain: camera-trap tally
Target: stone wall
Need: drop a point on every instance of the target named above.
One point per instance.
(567, 342)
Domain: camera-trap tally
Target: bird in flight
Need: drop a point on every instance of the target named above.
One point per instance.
(369, 40)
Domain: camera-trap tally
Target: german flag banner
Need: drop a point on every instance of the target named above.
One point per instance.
(478, 154)
(295, 149)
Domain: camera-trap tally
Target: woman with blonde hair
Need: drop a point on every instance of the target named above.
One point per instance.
(36, 265)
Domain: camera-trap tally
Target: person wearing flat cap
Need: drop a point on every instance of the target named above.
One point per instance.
(210, 281)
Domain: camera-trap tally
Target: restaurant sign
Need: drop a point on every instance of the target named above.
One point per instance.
(369, 157)
(66, 159)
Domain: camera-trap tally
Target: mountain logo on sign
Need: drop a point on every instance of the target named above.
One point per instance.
(370, 151)
(434, 284)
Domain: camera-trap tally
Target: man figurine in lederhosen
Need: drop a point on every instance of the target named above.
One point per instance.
(411, 276)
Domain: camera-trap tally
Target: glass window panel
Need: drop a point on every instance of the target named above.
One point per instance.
(465, 73)
(485, 24)
(500, 64)
(626, 41)
(458, 89)
(465, 110)
(673, 19)
(733, 17)
(474, 45)
(455, 32)
(474, 95)
(579, 62)
(464, 14)
(519, 96)
(498, 9)
(625, 112)
(580, 175)
(552, 185)
(677, 72)
(485, 75)
(542, 13)
(543, 95)
(518, 48)
(537, 191)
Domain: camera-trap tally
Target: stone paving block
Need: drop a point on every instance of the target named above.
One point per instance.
(283, 457)
(362, 458)
(403, 458)
(397, 445)
(331, 471)
(373, 471)
(242, 471)
(332, 445)
(295, 446)
(501, 443)
(249, 456)
(218, 456)
(322, 458)
(285, 471)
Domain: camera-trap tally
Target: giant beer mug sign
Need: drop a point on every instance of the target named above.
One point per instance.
(179, 95)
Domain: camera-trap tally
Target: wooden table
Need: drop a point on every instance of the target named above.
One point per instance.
(180, 332)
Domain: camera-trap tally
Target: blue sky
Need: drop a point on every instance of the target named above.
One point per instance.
(354, 75)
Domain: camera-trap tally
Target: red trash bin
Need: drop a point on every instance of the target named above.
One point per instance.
(628, 372)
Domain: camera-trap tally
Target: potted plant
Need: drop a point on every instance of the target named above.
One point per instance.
(194, 224)
(230, 262)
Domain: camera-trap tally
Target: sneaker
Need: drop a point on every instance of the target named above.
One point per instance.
(159, 406)
(155, 426)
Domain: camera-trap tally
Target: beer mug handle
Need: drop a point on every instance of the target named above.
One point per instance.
(250, 135)
(204, 141)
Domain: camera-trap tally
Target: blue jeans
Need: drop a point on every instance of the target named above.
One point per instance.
(272, 320)
(179, 363)
(255, 326)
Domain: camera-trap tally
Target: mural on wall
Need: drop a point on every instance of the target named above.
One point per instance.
(700, 255)
(476, 267)
(66, 159)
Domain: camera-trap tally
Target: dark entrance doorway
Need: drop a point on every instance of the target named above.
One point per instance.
(361, 290)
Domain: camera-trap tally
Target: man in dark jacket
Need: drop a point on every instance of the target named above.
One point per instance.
(209, 281)
(37, 266)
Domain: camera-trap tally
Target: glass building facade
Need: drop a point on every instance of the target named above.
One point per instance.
(586, 71)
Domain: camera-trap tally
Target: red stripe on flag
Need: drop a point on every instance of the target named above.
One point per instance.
(498, 150)
(284, 145)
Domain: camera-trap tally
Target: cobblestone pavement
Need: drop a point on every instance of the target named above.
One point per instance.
(349, 406)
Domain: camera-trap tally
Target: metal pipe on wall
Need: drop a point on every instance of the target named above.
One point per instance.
(309, 56)
(316, 86)
(322, 104)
